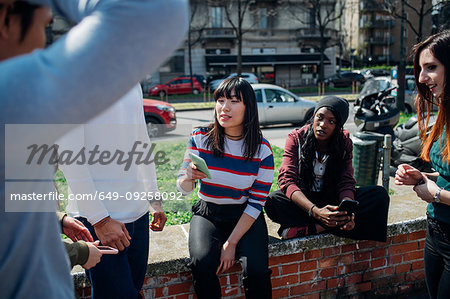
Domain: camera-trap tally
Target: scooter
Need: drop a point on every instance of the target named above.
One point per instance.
(407, 145)
(374, 112)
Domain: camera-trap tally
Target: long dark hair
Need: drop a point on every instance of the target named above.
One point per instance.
(252, 133)
(26, 12)
(439, 46)
(335, 163)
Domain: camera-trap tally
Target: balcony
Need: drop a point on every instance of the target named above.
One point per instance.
(381, 40)
(313, 34)
(378, 24)
(219, 33)
(370, 6)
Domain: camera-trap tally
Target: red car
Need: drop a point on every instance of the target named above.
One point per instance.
(178, 85)
(159, 116)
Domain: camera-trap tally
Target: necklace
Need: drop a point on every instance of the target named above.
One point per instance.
(321, 158)
(232, 136)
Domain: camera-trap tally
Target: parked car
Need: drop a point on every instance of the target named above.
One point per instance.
(180, 85)
(344, 79)
(368, 73)
(277, 105)
(211, 78)
(200, 79)
(410, 93)
(251, 78)
(159, 116)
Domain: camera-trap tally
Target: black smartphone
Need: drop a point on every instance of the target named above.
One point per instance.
(348, 205)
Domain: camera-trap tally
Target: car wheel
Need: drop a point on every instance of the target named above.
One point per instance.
(162, 93)
(196, 91)
(153, 127)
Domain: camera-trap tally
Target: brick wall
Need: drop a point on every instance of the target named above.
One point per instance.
(319, 267)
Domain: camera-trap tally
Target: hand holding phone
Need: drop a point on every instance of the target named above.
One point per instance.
(107, 249)
(200, 164)
(348, 205)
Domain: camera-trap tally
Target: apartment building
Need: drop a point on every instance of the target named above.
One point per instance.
(281, 42)
(378, 31)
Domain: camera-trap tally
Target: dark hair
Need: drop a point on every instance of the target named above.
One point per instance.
(25, 11)
(251, 131)
(439, 46)
(335, 163)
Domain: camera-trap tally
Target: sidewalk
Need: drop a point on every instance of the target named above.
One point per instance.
(405, 205)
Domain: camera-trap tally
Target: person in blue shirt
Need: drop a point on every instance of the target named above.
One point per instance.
(69, 82)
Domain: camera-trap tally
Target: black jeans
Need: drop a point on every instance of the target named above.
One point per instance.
(437, 259)
(210, 227)
(370, 217)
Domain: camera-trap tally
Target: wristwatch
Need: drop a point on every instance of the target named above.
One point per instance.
(436, 195)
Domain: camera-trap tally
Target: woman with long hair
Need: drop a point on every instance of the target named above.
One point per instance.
(227, 221)
(431, 70)
(316, 175)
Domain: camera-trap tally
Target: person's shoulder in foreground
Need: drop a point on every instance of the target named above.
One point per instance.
(97, 52)
(70, 82)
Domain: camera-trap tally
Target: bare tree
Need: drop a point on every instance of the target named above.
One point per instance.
(235, 12)
(194, 33)
(441, 16)
(425, 8)
(323, 14)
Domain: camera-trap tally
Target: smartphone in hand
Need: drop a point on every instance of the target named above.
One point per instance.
(348, 205)
(200, 164)
(107, 249)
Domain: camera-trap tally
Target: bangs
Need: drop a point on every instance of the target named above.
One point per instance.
(226, 88)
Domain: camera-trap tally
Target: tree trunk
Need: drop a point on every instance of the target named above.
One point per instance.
(190, 59)
(239, 56)
(322, 55)
(239, 38)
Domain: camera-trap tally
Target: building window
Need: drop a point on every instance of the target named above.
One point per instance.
(312, 18)
(308, 69)
(263, 19)
(216, 17)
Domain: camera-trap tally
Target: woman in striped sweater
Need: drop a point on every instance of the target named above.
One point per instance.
(227, 221)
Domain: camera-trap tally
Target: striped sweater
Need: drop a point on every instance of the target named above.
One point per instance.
(233, 179)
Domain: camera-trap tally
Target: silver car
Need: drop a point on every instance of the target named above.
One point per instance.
(277, 105)
(249, 77)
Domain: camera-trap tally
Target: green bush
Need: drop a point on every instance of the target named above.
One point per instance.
(178, 211)
(404, 117)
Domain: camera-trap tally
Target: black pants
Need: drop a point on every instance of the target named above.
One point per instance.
(370, 218)
(437, 259)
(210, 227)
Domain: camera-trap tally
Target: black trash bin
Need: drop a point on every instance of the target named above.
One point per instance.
(367, 151)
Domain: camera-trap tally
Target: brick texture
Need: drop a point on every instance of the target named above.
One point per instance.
(362, 269)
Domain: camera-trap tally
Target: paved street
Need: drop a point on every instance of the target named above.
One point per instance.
(275, 134)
